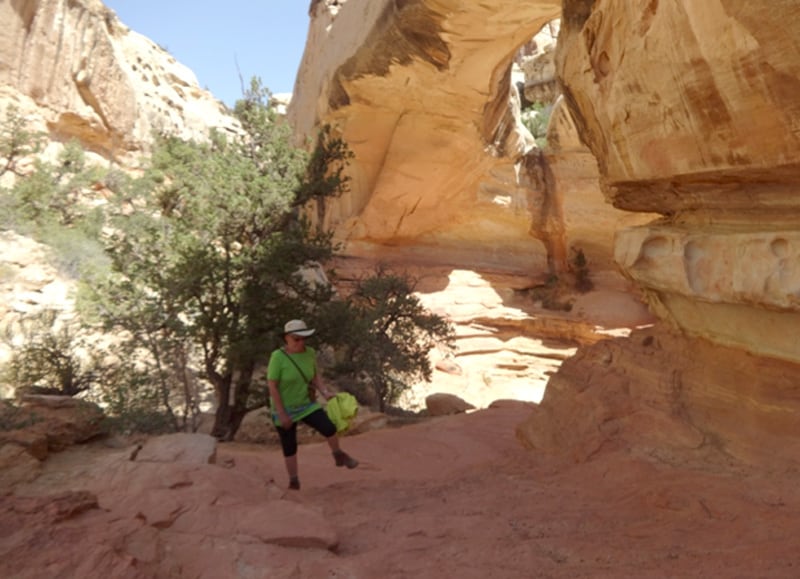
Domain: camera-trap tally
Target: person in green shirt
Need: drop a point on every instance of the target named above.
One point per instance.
(291, 375)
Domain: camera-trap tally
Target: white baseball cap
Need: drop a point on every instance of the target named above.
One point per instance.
(298, 328)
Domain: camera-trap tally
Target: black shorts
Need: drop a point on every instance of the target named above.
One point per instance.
(317, 420)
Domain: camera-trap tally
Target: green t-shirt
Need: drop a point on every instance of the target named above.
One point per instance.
(292, 386)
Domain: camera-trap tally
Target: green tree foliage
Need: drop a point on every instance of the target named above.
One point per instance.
(386, 335)
(207, 261)
(141, 396)
(208, 245)
(52, 193)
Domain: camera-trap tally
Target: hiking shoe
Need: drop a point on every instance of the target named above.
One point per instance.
(294, 484)
(344, 459)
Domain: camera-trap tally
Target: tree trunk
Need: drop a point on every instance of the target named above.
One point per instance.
(222, 390)
(229, 414)
(243, 382)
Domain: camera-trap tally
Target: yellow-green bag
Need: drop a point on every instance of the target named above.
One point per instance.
(342, 409)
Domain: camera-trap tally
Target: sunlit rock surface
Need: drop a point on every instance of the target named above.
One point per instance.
(690, 109)
(421, 91)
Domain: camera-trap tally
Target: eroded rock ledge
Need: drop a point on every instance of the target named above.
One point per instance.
(707, 138)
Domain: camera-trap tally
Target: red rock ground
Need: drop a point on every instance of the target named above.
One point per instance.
(454, 496)
(459, 497)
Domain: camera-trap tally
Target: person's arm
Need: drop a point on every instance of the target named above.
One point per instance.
(319, 386)
(283, 416)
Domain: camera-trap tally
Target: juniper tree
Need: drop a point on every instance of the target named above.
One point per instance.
(208, 246)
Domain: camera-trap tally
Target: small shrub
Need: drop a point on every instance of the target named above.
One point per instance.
(49, 204)
(73, 251)
(139, 421)
(550, 295)
(117, 181)
(134, 399)
(17, 141)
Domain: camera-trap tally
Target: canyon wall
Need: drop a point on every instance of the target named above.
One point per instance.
(672, 157)
(691, 110)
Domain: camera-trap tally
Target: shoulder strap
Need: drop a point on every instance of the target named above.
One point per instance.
(295, 365)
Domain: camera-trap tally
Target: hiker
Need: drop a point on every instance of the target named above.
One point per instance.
(291, 376)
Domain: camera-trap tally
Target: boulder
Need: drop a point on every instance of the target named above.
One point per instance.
(64, 420)
(180, 447)
(440, 404)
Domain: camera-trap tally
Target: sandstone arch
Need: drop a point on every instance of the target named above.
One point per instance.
(421, 93)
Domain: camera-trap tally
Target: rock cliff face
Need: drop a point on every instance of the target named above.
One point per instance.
(686, 167)
(74, 71)
(691, 109)
(74, 67)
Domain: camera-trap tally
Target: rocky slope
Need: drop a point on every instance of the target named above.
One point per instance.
(455, 496)
(79, 73)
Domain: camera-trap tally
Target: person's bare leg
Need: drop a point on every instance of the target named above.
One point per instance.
(291, 469)
(333, 442)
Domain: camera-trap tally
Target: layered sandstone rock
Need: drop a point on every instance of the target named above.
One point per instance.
(41, 425)
(691, 109)
(676, 400)
(707, 140)
(82, 74)
(166, 512)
